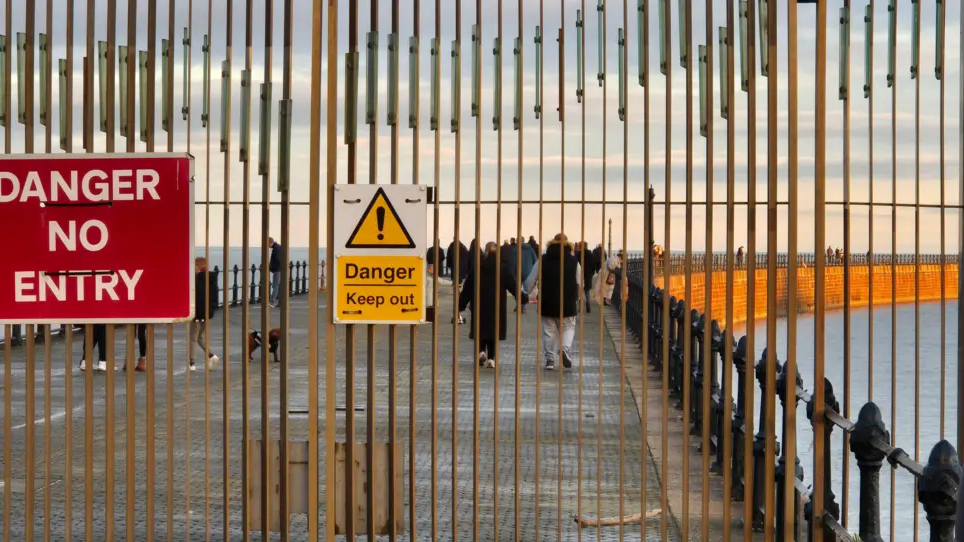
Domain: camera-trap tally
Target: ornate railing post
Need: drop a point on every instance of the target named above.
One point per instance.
(234, 286)
(671, 362)
(677, 350)
(937, 490)
(759, 447)
(254, 284)
(829, 503)
(785, 390)
(291, 278)
(737, 489)
(696, 370)
(869, 432)
(717, 395)
(658, 298)
(304, 277)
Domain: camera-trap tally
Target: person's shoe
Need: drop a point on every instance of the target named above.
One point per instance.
(141, 365)
(588, 307)
(192, 366)
(213, 362)
(101, 366)
(482, 359)
(490, 364)
(550, 365)
(566, 360)
(83, 365)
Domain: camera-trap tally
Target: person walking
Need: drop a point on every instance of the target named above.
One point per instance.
(535, 245)
(492, 325)
(99, 341)
(203, 312)
(559, 290)
(587, 259)
(142, 349)
(274, 267)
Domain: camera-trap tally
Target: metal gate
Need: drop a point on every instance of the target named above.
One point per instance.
(658, 429)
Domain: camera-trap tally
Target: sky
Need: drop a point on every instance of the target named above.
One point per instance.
(610, 167)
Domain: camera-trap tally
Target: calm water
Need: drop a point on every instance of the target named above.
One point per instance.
(927, 380)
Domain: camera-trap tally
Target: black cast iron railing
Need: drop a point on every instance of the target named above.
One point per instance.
(937, 481)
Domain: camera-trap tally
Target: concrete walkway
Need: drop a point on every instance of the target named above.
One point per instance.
(551, 442)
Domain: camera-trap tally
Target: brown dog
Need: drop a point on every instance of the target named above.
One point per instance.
(255, 340)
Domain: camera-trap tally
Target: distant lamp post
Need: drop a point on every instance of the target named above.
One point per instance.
(609, 249)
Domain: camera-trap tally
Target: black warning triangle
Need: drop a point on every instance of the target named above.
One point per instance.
(380, 226)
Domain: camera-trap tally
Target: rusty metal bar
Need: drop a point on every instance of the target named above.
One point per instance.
(393, 329)
(749, 385)
(8, 377)
(68, 146)
(960, 261)
(370, 395)
(226, 332)
(769, 399)
(686, 46)
(820, 196)
(601, 78)
(845, 94)
(915, 75)
(331, 174)
(413, 334)
(28, 135)
(939, 69)
(727, 440)
(647, 262)
(624, 284)
(666, 46)
(434, 114)
(707, 356)
(518, 285)
(790, 504)
(349, 329)
(314, 246)
(244, 135)
(892, 83)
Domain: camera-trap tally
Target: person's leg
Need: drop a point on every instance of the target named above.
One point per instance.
(568, 333)
(142, 340)
(194, 340)
(550, 344)
(100, 337)
(275, 287)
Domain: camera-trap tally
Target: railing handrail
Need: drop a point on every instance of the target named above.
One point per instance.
(869, 439)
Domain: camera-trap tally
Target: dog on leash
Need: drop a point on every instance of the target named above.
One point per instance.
(256, 339)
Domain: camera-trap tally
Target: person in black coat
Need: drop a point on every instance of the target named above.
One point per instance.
(202, 310)
(559, 263)
(589, 268)
(492, 325)
(534, 244)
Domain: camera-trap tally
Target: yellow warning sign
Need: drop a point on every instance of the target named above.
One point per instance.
(379, 289)
(380, 227)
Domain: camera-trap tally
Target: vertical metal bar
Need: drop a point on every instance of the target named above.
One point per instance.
(245, 112)
(624, 114)
(728, 92)
(46, 42)
(708, 359)
(68, 146)
(871, 260)
(939, 69)
(109, 434)
(433, 120)
(648, 264)
(331, 178)
(28, 121)
(686, 44)
(265, 286)
(131, 435)
(518, 268)
(819, 336)
(414, 122)
(284, 186)
(915, 42)
(601, 9)
(350, 328)
(751, 209)
(892, 83)
(790, 503)
(960, 262)
(226, 242)
(314, 246)
(87, 359)
(770, 46)
(498, 298)
(666, 47)
(455, 286)
(372, 106)
(844, 94)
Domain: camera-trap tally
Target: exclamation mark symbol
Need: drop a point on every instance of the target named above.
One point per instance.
(380, 216)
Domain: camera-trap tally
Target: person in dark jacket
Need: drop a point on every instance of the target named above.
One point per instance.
(492, 325)
(534, 244)
(203, 312)
(274, 267)
(559, 263)
(450, 258)
(430, 259)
